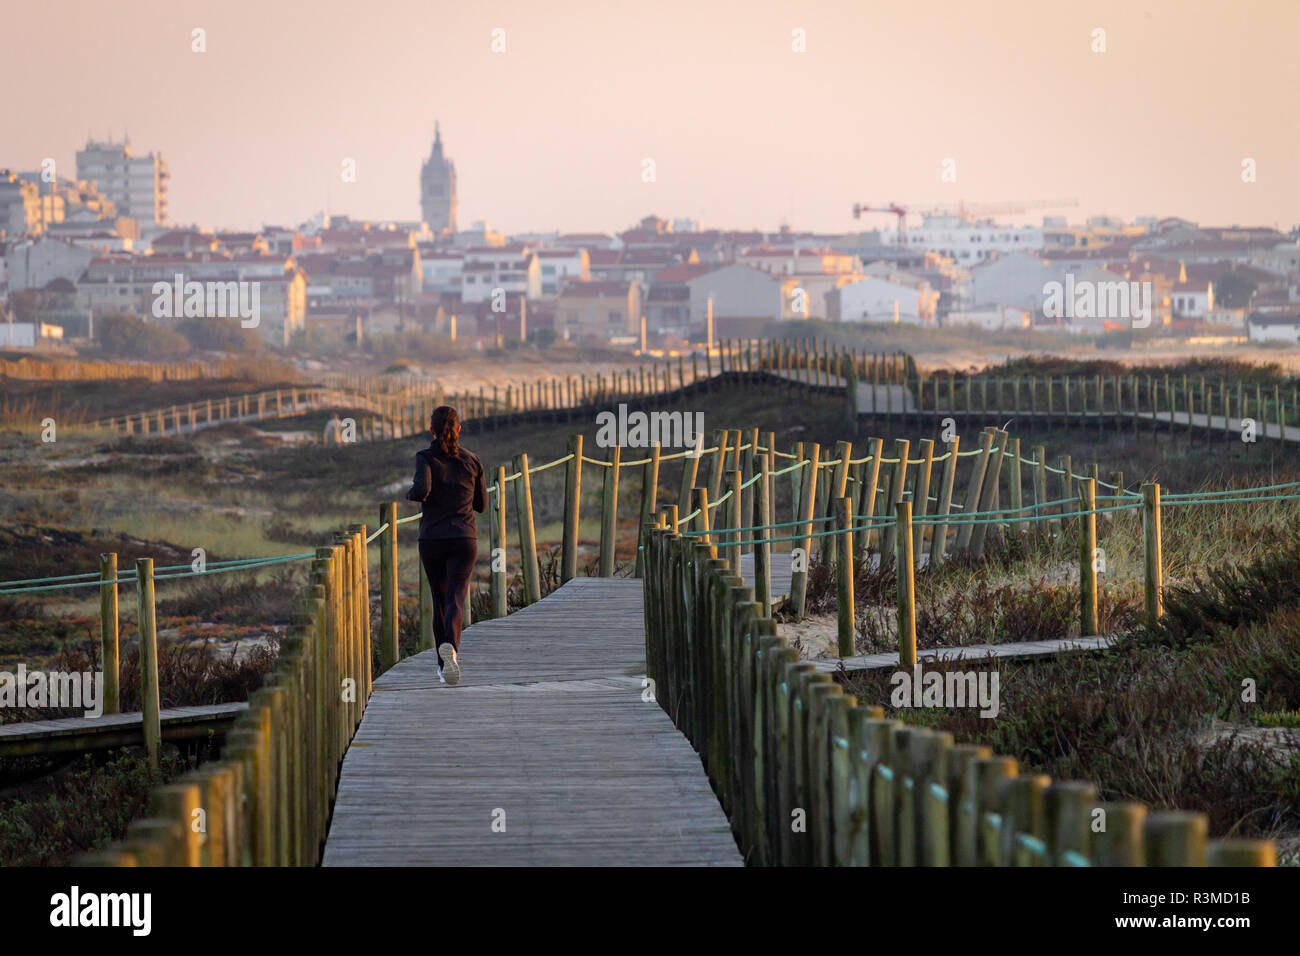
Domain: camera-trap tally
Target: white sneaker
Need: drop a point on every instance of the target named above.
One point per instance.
(450, 670)
(441, 679)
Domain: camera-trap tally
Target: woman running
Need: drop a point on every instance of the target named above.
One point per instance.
(449, 483)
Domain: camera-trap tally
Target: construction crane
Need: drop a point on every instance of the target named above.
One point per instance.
(963, 210)
(897, 210)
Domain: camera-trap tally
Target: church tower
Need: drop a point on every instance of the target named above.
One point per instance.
(438, 188)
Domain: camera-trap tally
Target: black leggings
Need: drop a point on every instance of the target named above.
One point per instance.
(448, 564)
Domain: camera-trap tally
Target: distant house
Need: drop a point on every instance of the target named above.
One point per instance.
(1276, 327)
(873, 299)
(1015, 279)
(34, 264)
(26, 335)
(1192, 300)
(598, 309)
(741, 294)
(560, 265)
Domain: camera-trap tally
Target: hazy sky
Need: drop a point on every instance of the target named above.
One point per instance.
(744, 132)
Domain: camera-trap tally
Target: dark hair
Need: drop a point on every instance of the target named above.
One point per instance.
(443, 424)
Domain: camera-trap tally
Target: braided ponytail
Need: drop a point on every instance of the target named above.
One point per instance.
(443, 424)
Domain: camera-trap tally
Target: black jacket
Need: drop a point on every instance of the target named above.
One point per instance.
(451, 490)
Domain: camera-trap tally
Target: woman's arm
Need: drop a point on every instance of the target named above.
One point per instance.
(480, 491)
(422, 483)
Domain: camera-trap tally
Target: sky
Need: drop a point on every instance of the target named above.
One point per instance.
(744, 129)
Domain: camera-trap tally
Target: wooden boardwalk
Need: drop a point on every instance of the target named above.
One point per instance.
(975, 653)
(545, 754)
(74, 734)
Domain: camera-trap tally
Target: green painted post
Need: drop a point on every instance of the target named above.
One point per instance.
(108, 638)
(1087, 562)
(147, 623)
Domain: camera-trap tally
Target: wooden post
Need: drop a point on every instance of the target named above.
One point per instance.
(497, 543)
(148, 626)
(527, 536)
(720, 438)
(868, 482)
(1067, 489)
(921, 493)
(939, 533)
(1040, 483)
(1175, 838)
(762, 547)
(976, 486)
(108, 642)
(572, 503)
(1153, 570)
(388, 650)
(896, 483)
(690, 472)
(609, 512)
(989, 494)
(801, 554)
(700, 505)
(1017, 493)
(1087, 548)
(844, 575)
(905, 571)
(734, 515)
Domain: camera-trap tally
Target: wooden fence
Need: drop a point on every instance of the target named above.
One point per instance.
(267, 801)
(71, 369)
(1186, 402)
(808, 777)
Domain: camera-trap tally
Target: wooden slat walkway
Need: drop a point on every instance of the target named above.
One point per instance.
(114, 730)
(974, 653)
(548, 731)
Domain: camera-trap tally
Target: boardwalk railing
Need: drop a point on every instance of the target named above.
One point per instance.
(875, 498)
(1183, 401)
(267, 801)
(808, 777)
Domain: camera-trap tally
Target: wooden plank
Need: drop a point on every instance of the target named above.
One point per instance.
(546, 753)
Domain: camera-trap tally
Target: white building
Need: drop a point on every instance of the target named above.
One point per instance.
(514, 269)
(1274, 328)
(24, 335)
(560, 265)
(136, 184)
(1016, 279)
(966, 242)
(32, 265)
(873, 299)
(442, 271)
(740, 292)
(1192, 300)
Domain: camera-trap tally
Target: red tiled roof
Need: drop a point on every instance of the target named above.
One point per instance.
(681, 273)
(577, 288)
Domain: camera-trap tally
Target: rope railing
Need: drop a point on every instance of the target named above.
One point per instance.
(778, 737)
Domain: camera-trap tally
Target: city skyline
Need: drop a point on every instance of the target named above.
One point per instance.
(555, 131)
